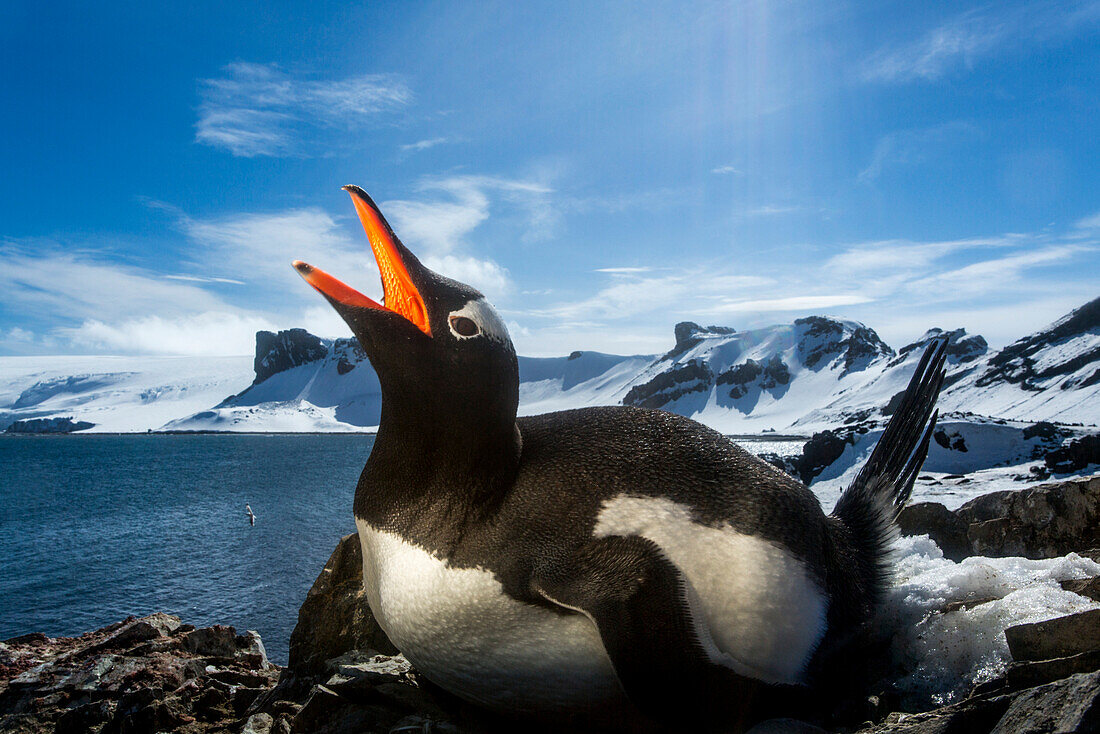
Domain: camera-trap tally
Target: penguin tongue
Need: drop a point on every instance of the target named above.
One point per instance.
(401, 296)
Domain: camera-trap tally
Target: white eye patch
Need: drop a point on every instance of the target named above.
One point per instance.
(486, 318)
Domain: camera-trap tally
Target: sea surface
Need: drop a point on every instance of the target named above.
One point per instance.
(95, 528)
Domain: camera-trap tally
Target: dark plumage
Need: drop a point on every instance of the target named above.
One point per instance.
(603, 559)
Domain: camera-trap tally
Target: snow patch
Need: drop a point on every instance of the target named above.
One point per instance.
(942, 655)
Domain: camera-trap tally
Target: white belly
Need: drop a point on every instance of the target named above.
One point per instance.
(463, 632)
(756, 607)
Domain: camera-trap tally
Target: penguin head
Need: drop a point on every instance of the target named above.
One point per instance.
(438, 347)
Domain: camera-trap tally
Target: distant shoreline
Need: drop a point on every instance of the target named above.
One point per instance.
(732, 436)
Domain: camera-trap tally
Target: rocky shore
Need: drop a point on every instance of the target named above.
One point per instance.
(158, 674)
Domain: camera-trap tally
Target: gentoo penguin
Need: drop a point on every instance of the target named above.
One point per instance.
(595, 562)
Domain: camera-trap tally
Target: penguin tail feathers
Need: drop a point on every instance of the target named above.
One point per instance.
(869, 508)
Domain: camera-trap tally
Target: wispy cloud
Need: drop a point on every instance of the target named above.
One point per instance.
(768, 210)
(726, 171)
(907, 147)
(694, 290)
(624, 270)
(870, 260)
(260, 110)
(1092, 222)
(211, 333)
(438, 222)
(792, 303)
(89, 285)
(201, 279)
(899, 287)
(994, 275)
(424, 144)
(105, 305)
(969, 37)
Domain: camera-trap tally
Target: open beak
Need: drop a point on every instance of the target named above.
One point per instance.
(401, 296)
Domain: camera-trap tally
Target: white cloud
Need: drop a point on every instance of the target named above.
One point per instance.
(438, 225)
(1000, 322)
(260, 247)
(623, 270)
(792, 303)
(889, 285)
(86, 285)
(452, 206)
(896, 258)
(767, 210)
(726, 171)
(202, 279)
(992, 276)
(211, 333)
(424, 145)
(321, 320)
(258, 109)
(974, 35)
(1092, 222)
(485, 275)
(627, 297)
(914, 146)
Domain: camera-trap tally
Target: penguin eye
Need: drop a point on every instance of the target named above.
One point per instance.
(464, 326)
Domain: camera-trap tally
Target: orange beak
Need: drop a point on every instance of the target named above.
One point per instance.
(400, 294)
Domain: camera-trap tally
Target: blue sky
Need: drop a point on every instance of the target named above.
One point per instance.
(600, 172)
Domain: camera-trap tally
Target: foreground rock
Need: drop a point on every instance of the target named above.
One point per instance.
(1046, 521)
(147, 674)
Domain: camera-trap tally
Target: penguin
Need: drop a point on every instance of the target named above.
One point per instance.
(615, 565)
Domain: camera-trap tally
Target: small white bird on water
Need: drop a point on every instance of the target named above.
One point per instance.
(251, 515)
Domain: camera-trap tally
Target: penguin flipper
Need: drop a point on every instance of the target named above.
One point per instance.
(639, 602)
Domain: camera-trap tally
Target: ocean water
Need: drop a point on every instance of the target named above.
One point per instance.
(95, 528)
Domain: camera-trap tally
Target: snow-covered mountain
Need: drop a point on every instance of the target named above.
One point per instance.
(816, 373)
(1051, 375)
(117, 394)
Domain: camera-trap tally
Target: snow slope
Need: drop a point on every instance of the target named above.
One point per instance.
(814, 374)
(123, 394)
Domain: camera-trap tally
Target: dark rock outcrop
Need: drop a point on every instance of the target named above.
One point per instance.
(820, 451)
(951, 442)
(1044, 521)
(742, 376)
(49, 425)
(282, 351)
(823, 338)
(946, 528)
(1055, 638)
(665, 387)
(335, 618)
(1068, 705)
(689, 333)
(1084, 587)
(1016, 364)
(148, 674)
(1039, 522)
(961, 347)
(1074, 455)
